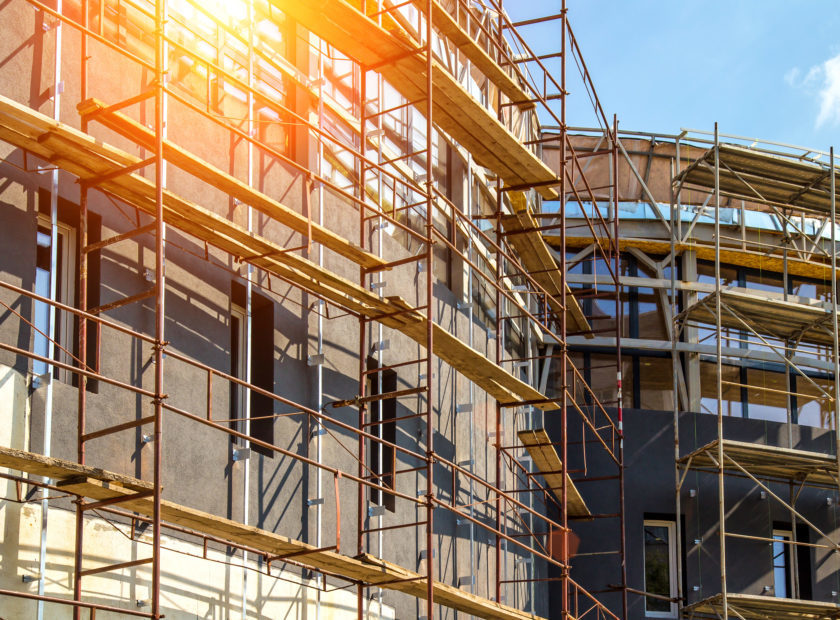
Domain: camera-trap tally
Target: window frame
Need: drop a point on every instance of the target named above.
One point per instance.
(239, 350)
(382, 458)
(785, 541)
(671, 527)
(64, 333)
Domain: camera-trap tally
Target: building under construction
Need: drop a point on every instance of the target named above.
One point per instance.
(323, 309)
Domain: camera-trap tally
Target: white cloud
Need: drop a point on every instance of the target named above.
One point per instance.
(822, 81)
(830, 93)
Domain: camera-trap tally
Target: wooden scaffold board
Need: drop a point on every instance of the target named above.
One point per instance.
(545, 457)
(537, 259)
(87, 158)
(98, 484)
(394, 54)
(456, 32)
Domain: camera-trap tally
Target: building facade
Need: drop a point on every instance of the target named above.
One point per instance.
(276, 309)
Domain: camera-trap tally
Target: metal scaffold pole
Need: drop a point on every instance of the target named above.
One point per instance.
(675, 369)
(361, 491)
(430, 313)
(83, 330)
(619, 324)
(160, 291)
(564, 350)
(719, 373)
(835, 349)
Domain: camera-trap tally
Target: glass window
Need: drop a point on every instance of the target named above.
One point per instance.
(814, 406)
(660, 568)
(781, 563)
(65, 274)
(767, 395)
(731, 391)
(765, 281)
(656, 380)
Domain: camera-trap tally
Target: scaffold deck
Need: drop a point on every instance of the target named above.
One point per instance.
(395, 56)
(766, 461)
(754, 607)
(545, 457)
(540, 264)
(761, 177)
(744, 309)
(98, 484)
(87, 158)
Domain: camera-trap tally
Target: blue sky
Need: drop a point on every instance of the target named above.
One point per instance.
(768, 69)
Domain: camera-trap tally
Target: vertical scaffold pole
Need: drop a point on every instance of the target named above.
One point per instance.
(834, 305)
(430, 560)
(160, 287)
(83, 327)
(675, 367)
(618, 361)
(499, 326)
(564, 369)
(52, 314)
(361, 491)
(719, 362)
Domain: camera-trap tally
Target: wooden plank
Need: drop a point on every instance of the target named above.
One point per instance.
(88, 158)
(456, 33)
(755, 607)
(540, 263)
(211, 175)
(455, 111)
(99, 484)
(768, 461)
(545, 457)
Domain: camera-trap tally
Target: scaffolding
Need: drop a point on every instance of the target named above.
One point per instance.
(790, 184)
(401, 60)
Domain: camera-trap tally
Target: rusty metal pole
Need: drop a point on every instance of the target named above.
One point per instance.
(835, 352)
(362, 491)
(564, 517)
(160, 288)
(83, 326)
(498, 427)
(430, 427)
(499, 327)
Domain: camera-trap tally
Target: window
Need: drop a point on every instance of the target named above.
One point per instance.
(262, 366)
(781, 563)
(65, 293)
(382, 458)
(67, 288)
(238, 392)
(660, 568)
(784, 585)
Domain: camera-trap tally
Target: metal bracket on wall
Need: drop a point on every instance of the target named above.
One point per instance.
(376, 511)
(240, 454)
